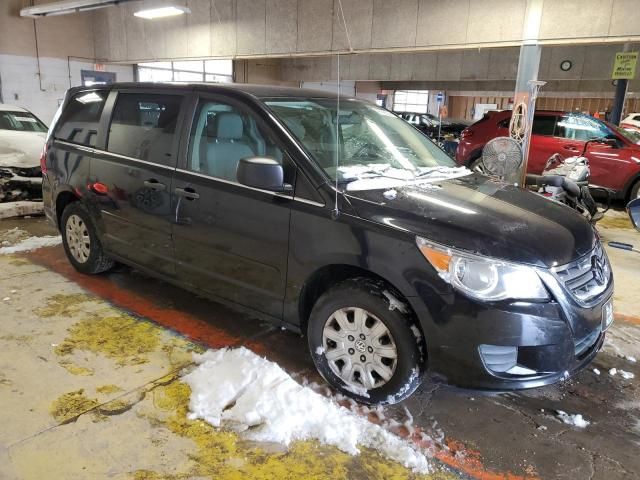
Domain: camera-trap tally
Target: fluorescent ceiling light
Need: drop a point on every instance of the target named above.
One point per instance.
(161, 12)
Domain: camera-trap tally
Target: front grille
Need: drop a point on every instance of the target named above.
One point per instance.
(583, 344)
(586, 278)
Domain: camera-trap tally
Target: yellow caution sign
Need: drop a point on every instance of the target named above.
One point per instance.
(624, 68)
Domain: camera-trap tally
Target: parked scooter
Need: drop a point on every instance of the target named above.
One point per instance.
(633, 208)
(566, 180)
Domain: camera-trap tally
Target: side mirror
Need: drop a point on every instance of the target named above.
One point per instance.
(633, 207)
(262, 172)
(612, 142)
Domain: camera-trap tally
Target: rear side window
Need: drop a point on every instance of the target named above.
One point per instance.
(79, 120)
(143, 126)
(544, 125)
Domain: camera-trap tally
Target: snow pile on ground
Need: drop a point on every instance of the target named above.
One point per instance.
(576, 420)
(237, 389)
(31, 243)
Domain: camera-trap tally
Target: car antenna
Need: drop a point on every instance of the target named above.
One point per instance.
(336, 211)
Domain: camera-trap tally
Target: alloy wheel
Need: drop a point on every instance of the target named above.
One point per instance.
(78, 239)
(359, 348)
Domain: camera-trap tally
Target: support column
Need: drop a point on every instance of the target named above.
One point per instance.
(621, 92)
(528, 65)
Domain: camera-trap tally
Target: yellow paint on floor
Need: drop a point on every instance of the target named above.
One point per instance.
(71, 405)
(62, 304)
(121, 337)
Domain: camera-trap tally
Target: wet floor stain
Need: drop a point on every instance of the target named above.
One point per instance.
(611, 221)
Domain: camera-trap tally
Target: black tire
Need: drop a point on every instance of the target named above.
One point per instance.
(635, 191)
(476, 165)
(97, 261)
(376, 298)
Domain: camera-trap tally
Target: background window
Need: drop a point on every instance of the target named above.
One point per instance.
(411, 101)
(143, 126)
(222, 135)
(213, 71)
(79, 120)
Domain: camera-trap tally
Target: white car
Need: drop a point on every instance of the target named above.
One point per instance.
(22, 137)
(631, 122)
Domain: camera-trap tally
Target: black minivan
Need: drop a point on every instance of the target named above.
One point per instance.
(337, 219)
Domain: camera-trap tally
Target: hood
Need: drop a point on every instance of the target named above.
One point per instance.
(21, 149)
(480, 215)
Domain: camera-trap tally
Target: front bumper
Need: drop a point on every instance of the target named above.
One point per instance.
(468, 341)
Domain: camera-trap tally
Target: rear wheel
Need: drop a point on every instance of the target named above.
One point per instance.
(80, 241)
(364, 342)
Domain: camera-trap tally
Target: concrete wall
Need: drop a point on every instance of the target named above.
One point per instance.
(252, 28)
(36, 78)
(488, 69)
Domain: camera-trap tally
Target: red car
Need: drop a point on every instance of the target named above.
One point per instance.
(614, 166)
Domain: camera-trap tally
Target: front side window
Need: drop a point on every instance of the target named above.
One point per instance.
(143, 126)
(581, 128)
(370, 140)
(79, 120)
(20, 122)
(223, 134)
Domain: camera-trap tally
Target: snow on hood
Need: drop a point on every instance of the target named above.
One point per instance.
(237, 389)
(374, 177)
(21, 149)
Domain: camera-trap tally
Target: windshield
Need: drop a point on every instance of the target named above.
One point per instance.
(21, 122)
(371, 143)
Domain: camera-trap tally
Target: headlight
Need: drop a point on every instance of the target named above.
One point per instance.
(482, 277)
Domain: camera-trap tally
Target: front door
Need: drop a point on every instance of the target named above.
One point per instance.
(132, 179)
(231, 240)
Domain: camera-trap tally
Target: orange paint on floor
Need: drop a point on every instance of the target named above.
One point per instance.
(199, 330)
(627, 318)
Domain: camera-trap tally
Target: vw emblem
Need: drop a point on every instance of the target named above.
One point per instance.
(360, 346)
(597, 267)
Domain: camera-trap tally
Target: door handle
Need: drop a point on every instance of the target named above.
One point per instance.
(188, 193)
(571, 148)
(153, 184)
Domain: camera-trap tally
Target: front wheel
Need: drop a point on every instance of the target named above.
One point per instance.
(364, 342)
(477, 166)
(635, 191)
(80, 241)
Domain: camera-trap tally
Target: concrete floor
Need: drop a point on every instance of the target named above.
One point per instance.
(89, 388)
